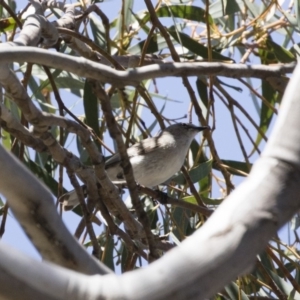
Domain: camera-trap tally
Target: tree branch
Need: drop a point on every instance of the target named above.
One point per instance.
(33, 206)
(87, 68)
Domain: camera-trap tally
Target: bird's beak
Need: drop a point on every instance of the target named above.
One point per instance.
(203, 128)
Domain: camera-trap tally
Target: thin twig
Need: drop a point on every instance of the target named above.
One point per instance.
(192, 187)
(175, 56)
(242, 109)
(286, 272)
(263, 99)
(164, 199)
(92, 45)
(86, 214)
(114, 229)
(268, 280)
(4, 218)
(127, 169)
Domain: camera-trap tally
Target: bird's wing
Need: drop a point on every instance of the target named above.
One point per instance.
(70, 200)
(115, 159)
(143, 147)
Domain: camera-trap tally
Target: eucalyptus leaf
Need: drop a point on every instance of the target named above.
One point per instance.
(91, 108)
(234, 291)
(189, 12)
(195, 47)
(196, 174)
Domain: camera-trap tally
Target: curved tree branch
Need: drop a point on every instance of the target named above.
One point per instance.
(87, 68)
(32, 204)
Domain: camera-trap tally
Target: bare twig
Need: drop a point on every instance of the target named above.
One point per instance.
(165, 199)
(86, 215)
(127, 169)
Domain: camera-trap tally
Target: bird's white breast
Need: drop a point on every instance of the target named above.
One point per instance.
(155, 168)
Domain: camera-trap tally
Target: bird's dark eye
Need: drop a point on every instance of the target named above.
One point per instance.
(120, 175)
(187, 126)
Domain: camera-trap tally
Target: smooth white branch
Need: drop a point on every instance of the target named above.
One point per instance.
(33, 206)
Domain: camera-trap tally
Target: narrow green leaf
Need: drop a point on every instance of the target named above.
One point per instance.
(83, 154)
(98, 31)
(231, 7)
(202, 90)
(196, 174)
(63, 80)
(7, 24)
(181, 221)
(290, 267)
(208, 201)
(45, 83)
(252, 7)
(238, 165)
(297, 276)
(194, 46)
(189, 12)
(292, 295)
(125, 256)
(38, 95)
(266, 261)
(91, 108)
(205, 185)
(235, 292)
(156, 43)
(108, 257)
(128, 6)
(1, 207)
(166, 98)
(219, 9)
(44, 175)
(6, 139)
(124, 22)
(297, 11)
(153, 217)
(283, 55)
(266, 114)
(211, 201)
(283, 285)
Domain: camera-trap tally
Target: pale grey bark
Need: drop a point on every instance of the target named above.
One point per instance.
(24, 278)
(33, 206)
(89, 69)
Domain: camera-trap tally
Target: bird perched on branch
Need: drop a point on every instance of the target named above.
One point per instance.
(154, 160)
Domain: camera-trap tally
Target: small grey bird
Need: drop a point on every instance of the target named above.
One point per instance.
(154, 160)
